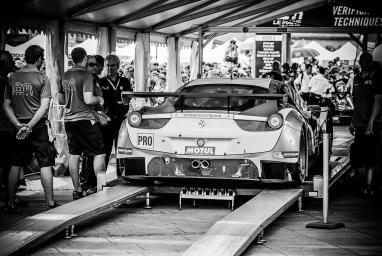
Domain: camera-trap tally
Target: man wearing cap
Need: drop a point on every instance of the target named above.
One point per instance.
(112, 86)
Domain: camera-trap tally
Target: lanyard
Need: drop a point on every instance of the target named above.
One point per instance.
(112, 84)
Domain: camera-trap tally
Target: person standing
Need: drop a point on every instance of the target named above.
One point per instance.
(231, 53)
(112, 86)
(7, 135)
(88, 180)
(319, 84)
(275, 73)
(367, 96)
(302, 82)
(26, 104)
(76, 92)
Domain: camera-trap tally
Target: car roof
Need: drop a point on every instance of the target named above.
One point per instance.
(258, 82)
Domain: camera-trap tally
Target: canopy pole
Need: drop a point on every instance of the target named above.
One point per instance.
(200, 51)
(55, 49)
(3, 37)
(103, 41)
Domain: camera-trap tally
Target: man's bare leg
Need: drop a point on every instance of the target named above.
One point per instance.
(100, 170)
(46, 177)
(13, 182)
(74, 161)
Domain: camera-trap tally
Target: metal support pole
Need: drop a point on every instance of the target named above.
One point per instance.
(200, 53)
(325, 201)
(325, 166)
(300, 204)
(147, 206)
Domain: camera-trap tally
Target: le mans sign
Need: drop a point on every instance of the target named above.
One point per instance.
(328, 16)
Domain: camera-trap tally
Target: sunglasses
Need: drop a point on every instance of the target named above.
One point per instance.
(92, 64)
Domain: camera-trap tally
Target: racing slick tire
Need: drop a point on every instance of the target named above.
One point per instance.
(298, 170)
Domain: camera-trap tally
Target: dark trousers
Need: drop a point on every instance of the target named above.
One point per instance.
(110, 133)
(87, 177)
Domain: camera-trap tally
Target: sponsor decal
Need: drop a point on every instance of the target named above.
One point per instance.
(145, 140)
(293, 154)
(125, 151)
(281, 155)
(199, 150)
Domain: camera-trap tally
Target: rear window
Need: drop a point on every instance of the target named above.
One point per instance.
(213, 103)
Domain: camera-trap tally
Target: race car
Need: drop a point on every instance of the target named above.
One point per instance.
(236, 131)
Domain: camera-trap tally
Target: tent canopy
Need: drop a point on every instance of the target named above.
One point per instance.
(161, 17)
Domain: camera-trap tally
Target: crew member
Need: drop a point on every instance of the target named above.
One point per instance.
(82, 129)
(112, 86)
(26, 103)
(88, 179)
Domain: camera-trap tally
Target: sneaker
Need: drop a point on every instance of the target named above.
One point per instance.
(91, 191)
(22, 185)
(78, 195)
(20, 203)
(55, 204)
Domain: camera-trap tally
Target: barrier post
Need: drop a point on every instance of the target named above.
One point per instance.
(325, 224)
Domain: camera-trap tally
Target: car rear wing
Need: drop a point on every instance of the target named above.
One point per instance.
(126, 96)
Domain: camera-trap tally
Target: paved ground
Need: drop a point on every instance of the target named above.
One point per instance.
(165, 230)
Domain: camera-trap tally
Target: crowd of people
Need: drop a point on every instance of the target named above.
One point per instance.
(94, 111)
(93, 115)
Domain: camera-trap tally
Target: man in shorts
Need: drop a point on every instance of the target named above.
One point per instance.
(26, 103)
(88, 179)
(76, 92)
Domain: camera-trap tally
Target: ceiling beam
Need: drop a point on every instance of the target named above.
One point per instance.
(152, 9)
(262, 7)
(259, 10)
(156, 26)
(203, 13)
(189, 31)
(95, 6)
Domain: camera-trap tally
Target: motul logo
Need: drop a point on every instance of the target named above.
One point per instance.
(200, 150)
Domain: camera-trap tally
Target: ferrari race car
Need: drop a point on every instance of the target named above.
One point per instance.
(226, 130)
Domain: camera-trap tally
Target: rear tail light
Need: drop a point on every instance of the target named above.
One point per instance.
(134, 118)
(275, 121)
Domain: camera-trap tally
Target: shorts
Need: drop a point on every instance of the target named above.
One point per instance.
(7, 139)
(364, 150)
(84, 137)
(36, 143)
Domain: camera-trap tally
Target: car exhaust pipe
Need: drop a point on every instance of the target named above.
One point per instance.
(195, 164)
(205, 164)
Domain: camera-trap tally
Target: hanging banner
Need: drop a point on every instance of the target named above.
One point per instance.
(268, 49)
(329, 16)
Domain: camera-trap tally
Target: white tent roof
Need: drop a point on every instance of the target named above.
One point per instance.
(316, 46)
(39, 40)
(347, 52)
(128, 50)
(90, 46)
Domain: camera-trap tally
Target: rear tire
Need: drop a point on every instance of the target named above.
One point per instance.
(298, 170)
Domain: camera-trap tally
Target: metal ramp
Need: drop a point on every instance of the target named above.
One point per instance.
(36, 229)
(233, 234)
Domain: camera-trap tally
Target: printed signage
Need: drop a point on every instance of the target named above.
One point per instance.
(328, 16)
(199, 150)
(145, 140)
(268, 49)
